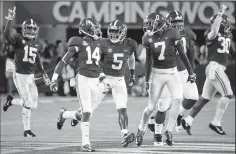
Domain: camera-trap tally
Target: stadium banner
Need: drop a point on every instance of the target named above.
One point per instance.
(196, 14)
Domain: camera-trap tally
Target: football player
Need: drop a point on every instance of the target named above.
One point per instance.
(86, 52)
(27, 58)
(218, 43)
(161, 45)
(117, 52)
(190, 91)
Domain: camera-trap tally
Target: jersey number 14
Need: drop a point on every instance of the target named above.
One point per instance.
(95, 55)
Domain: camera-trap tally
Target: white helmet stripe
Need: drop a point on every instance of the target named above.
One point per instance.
(115, 22)
(177, 14)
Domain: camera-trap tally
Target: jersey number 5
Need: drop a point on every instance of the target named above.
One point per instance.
(94, 55)
(116, 60)
(30, 54)
(225, 44)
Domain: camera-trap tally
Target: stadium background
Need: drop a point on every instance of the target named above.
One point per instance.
(59, 20)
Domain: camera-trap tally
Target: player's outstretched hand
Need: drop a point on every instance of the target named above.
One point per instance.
(147, 86)
(11, 14)
(46, 79)
(222, 10)
(192, 78)
(54, 86)
(131, 80)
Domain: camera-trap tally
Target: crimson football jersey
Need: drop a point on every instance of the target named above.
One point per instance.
(87, 59)
(163, 48)
(187, 36)
(115, 56)
(26, 53)
(218, 48)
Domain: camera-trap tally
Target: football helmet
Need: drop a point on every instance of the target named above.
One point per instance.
(90, 27)
(153, 23)
(224, 25)
(175, 19)
(116, 31)
(30, 29)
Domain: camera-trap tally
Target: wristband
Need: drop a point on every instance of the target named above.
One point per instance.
(132, 72)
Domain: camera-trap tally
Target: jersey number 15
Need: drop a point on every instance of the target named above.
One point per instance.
(30, 54)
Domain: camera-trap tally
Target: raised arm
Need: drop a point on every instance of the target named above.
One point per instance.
(216, 24)
(10, 17)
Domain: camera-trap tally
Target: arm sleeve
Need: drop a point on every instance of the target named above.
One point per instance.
(214, 28)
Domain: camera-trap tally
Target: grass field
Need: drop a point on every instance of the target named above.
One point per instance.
(105, 134)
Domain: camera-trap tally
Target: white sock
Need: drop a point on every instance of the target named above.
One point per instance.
(85, 133)
(17, 102)
(182, 110)
(151, 120)
(123, 132)
(220, 110)
(158, 128)
(69, 114)
(173, 114)
(189, 120)
(26, 118)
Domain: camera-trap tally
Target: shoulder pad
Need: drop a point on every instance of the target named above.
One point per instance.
(75, 41)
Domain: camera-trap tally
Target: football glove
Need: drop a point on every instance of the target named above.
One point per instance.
(54, 86)
(131, 78)
(11, 14)
(72, 82)
(192, 78)
(222, 10)
(46, 79)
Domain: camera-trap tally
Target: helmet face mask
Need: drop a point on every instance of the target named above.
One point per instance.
(30, 29)
(90, 27)
(153, 23)
(117, 31)
(175, 19)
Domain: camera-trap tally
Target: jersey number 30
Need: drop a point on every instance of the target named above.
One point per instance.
(225, 44)
(30, 54)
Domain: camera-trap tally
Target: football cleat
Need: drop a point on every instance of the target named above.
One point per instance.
(139, 137)
(186, 126)
(28, 133)
(127, 139)
(61, 120)
(217, 129)
(158, 140)
(151, 128)
(178, 126)
(87, 148)
(168, 138)
(74, 122)
(8, 103)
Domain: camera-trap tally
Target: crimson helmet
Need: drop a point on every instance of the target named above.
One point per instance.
(116, 31)
(90, 27)
(224, 25)
(153, 23)
(175, 19)
(30, 29)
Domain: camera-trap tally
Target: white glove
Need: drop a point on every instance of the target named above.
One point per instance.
(11, 14)
(222, 9)
(72, 82)
(46, 79)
